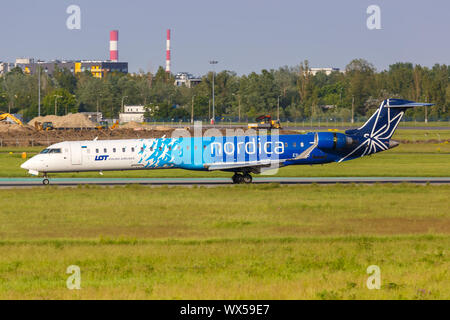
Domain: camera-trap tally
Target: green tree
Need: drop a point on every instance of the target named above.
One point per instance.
(64, 101)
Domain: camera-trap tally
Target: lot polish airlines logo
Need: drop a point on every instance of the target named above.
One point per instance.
(100, 158)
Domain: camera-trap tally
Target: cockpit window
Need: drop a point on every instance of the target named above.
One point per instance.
(51, 150)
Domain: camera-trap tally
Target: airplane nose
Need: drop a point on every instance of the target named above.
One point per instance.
(26, 165)
(393, 144)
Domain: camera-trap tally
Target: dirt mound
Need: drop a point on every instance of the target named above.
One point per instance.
(132, 125)
(76, 120)
(8, 127)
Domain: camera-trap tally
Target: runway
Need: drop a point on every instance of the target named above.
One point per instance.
(37, 182)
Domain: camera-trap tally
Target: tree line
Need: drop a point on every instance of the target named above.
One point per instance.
(297, 92)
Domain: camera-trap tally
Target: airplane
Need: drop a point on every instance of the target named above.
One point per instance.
(240, 154)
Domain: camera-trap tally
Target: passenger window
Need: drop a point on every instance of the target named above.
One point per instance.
(170, 148)
(160, 148)
(114, 150)
(151, 148)
(294, 144)
(96, 150)
(187, 147)
(285, 144)
(142, 148)
(132, 149)
(123, 149)
(105, 150)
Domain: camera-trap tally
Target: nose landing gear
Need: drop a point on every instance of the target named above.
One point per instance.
(45, 181)
(241, 178)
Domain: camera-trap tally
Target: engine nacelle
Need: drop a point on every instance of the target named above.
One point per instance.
(333, 141)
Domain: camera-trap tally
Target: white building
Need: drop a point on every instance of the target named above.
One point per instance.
(327, 71)
(186, 79)
(132, 113)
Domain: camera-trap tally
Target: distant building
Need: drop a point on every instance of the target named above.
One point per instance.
(5, 67)
(93, 116)
(98, 68)
(327, 71)
(132, 113)
(186, 79)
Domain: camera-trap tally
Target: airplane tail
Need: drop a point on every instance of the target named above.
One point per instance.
(382, 124)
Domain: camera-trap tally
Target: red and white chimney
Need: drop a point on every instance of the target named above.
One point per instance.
(113, 48)
(168, 51)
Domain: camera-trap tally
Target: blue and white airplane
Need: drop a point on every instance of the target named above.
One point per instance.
(241, 154)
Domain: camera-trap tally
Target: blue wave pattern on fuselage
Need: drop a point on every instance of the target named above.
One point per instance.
(157, 153)
(194, 153)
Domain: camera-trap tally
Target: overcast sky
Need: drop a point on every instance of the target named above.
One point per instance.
(243, 35)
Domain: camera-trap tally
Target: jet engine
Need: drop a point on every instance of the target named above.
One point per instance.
(333, 141)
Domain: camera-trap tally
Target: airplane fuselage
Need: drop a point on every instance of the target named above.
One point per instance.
(202, 153)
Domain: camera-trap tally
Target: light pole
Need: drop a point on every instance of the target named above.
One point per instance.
(192, 110)
(213, 62)
(122, 103)
(39, 90)
(56, 104)
(239, 106)
(353, 108)
(278, 108)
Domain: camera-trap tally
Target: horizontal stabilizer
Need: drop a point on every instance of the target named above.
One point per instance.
(400, 103)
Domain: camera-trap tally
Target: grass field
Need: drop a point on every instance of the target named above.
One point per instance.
(249, 242)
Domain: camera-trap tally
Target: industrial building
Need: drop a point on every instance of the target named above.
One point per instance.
(98, 68)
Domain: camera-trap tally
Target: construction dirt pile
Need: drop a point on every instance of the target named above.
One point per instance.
(139, 126)
(132, 125)
(6, 127)
(75, 120)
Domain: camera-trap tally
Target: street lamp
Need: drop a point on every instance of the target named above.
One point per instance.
(39, 90)
(192, 110)
(56, 103)
(239, 106)
(353, 108)
(278, 108)
(213, 62)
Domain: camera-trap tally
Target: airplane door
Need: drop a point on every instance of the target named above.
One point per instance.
(75, 153)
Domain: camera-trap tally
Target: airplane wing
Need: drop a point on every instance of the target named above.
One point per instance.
(249, 164)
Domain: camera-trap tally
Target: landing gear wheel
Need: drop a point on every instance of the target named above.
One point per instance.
(247, 178)
(45, 181)
(237, 178)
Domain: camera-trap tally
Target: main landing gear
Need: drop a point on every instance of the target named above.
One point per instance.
(241, 178)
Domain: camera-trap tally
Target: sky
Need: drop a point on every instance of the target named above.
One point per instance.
(242, 35)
